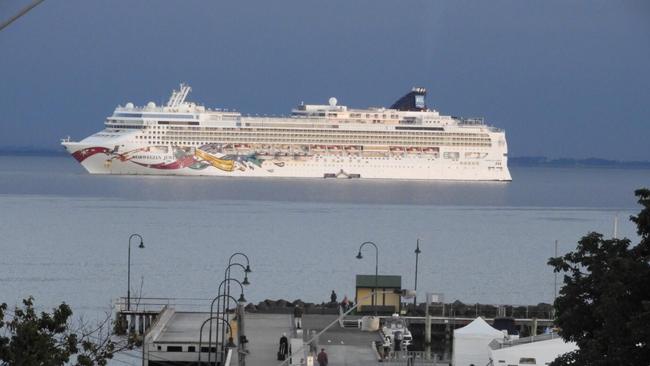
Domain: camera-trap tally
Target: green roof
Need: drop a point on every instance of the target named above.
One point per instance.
(368, 281)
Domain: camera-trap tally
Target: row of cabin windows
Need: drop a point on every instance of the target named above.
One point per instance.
(333, 136)
(312, 131)
(320, 135)
(201, 143)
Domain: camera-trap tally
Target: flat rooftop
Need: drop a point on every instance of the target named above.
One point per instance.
(184, 327)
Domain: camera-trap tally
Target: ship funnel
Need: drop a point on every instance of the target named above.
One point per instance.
(413, 101)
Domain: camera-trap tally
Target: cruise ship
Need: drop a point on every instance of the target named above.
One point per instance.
(405, 141)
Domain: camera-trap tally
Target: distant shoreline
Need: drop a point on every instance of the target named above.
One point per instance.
(542, 161)
(520, 161)
(32, 152)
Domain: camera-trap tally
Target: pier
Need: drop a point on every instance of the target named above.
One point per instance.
(170, 330)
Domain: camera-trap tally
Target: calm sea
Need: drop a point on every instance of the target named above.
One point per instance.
(63, 232)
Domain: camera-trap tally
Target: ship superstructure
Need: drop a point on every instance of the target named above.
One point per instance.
(405, 141)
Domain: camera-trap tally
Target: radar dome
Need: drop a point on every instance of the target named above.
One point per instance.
(333, 101)
(129, 105)
(151, 105)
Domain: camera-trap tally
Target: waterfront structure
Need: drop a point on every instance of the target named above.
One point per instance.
(406, 141)
(387, 288)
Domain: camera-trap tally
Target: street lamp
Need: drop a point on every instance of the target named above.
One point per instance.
(210, 319)
(128, 282)
(216, 341)
(227, 286)
(248, 267)
(417, 255)
(247, 270)
(359, 256)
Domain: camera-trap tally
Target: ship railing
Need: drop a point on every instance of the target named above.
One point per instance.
(471, 120)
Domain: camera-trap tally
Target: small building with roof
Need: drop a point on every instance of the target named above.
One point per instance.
(387, 302)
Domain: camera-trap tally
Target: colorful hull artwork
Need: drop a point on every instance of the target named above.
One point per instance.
(193, 158)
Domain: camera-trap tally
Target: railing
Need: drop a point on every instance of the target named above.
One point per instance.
(413, 358)
(488, 310)
(471, 121)
(497, 344)
(155, 304)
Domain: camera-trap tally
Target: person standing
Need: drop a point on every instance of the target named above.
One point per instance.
(284, 347)
(322, 358)
(313, 343)
(345, 303)
(297, 316)
(333, 297)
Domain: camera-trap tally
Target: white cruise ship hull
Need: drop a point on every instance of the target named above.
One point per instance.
(100, 160)
(406, 141)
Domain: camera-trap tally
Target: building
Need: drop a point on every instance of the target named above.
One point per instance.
(388, 297)
(181, 338)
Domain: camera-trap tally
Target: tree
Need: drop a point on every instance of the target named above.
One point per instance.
(604, 305)
(49, 339)
(37, 340)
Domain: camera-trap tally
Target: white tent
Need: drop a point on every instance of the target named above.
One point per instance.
(535, 353)
(470, 345)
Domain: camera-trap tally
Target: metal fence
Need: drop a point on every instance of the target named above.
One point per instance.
(414, 358)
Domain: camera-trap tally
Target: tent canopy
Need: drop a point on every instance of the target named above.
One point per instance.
(470, 344)
(478, 327)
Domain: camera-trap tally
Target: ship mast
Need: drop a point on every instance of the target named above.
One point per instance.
(178, 96)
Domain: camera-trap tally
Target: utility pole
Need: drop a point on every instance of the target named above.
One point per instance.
(417, 255)
(555, 282)
(427, 328)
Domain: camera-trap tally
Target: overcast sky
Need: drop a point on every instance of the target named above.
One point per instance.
(563, 78)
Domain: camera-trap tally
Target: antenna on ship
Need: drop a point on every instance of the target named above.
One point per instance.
(178, 96)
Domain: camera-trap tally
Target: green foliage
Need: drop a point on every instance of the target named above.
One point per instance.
(37, 339)
(47, 339)
(604, 305)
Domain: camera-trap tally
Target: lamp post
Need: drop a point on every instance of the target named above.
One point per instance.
(359, 256)
(217, 299)
(128, 282)
(227, 288)
(216, 341)
(417, 255)
(210, 319)
(247, 270)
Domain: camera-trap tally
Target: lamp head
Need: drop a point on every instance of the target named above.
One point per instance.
(141, 246)
(359, 256)
(241, 299)
(248, 269)
(417, 249)
(245, 282)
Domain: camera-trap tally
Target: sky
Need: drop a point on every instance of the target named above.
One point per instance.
(563, 78)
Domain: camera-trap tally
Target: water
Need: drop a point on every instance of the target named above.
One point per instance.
(64, 232)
